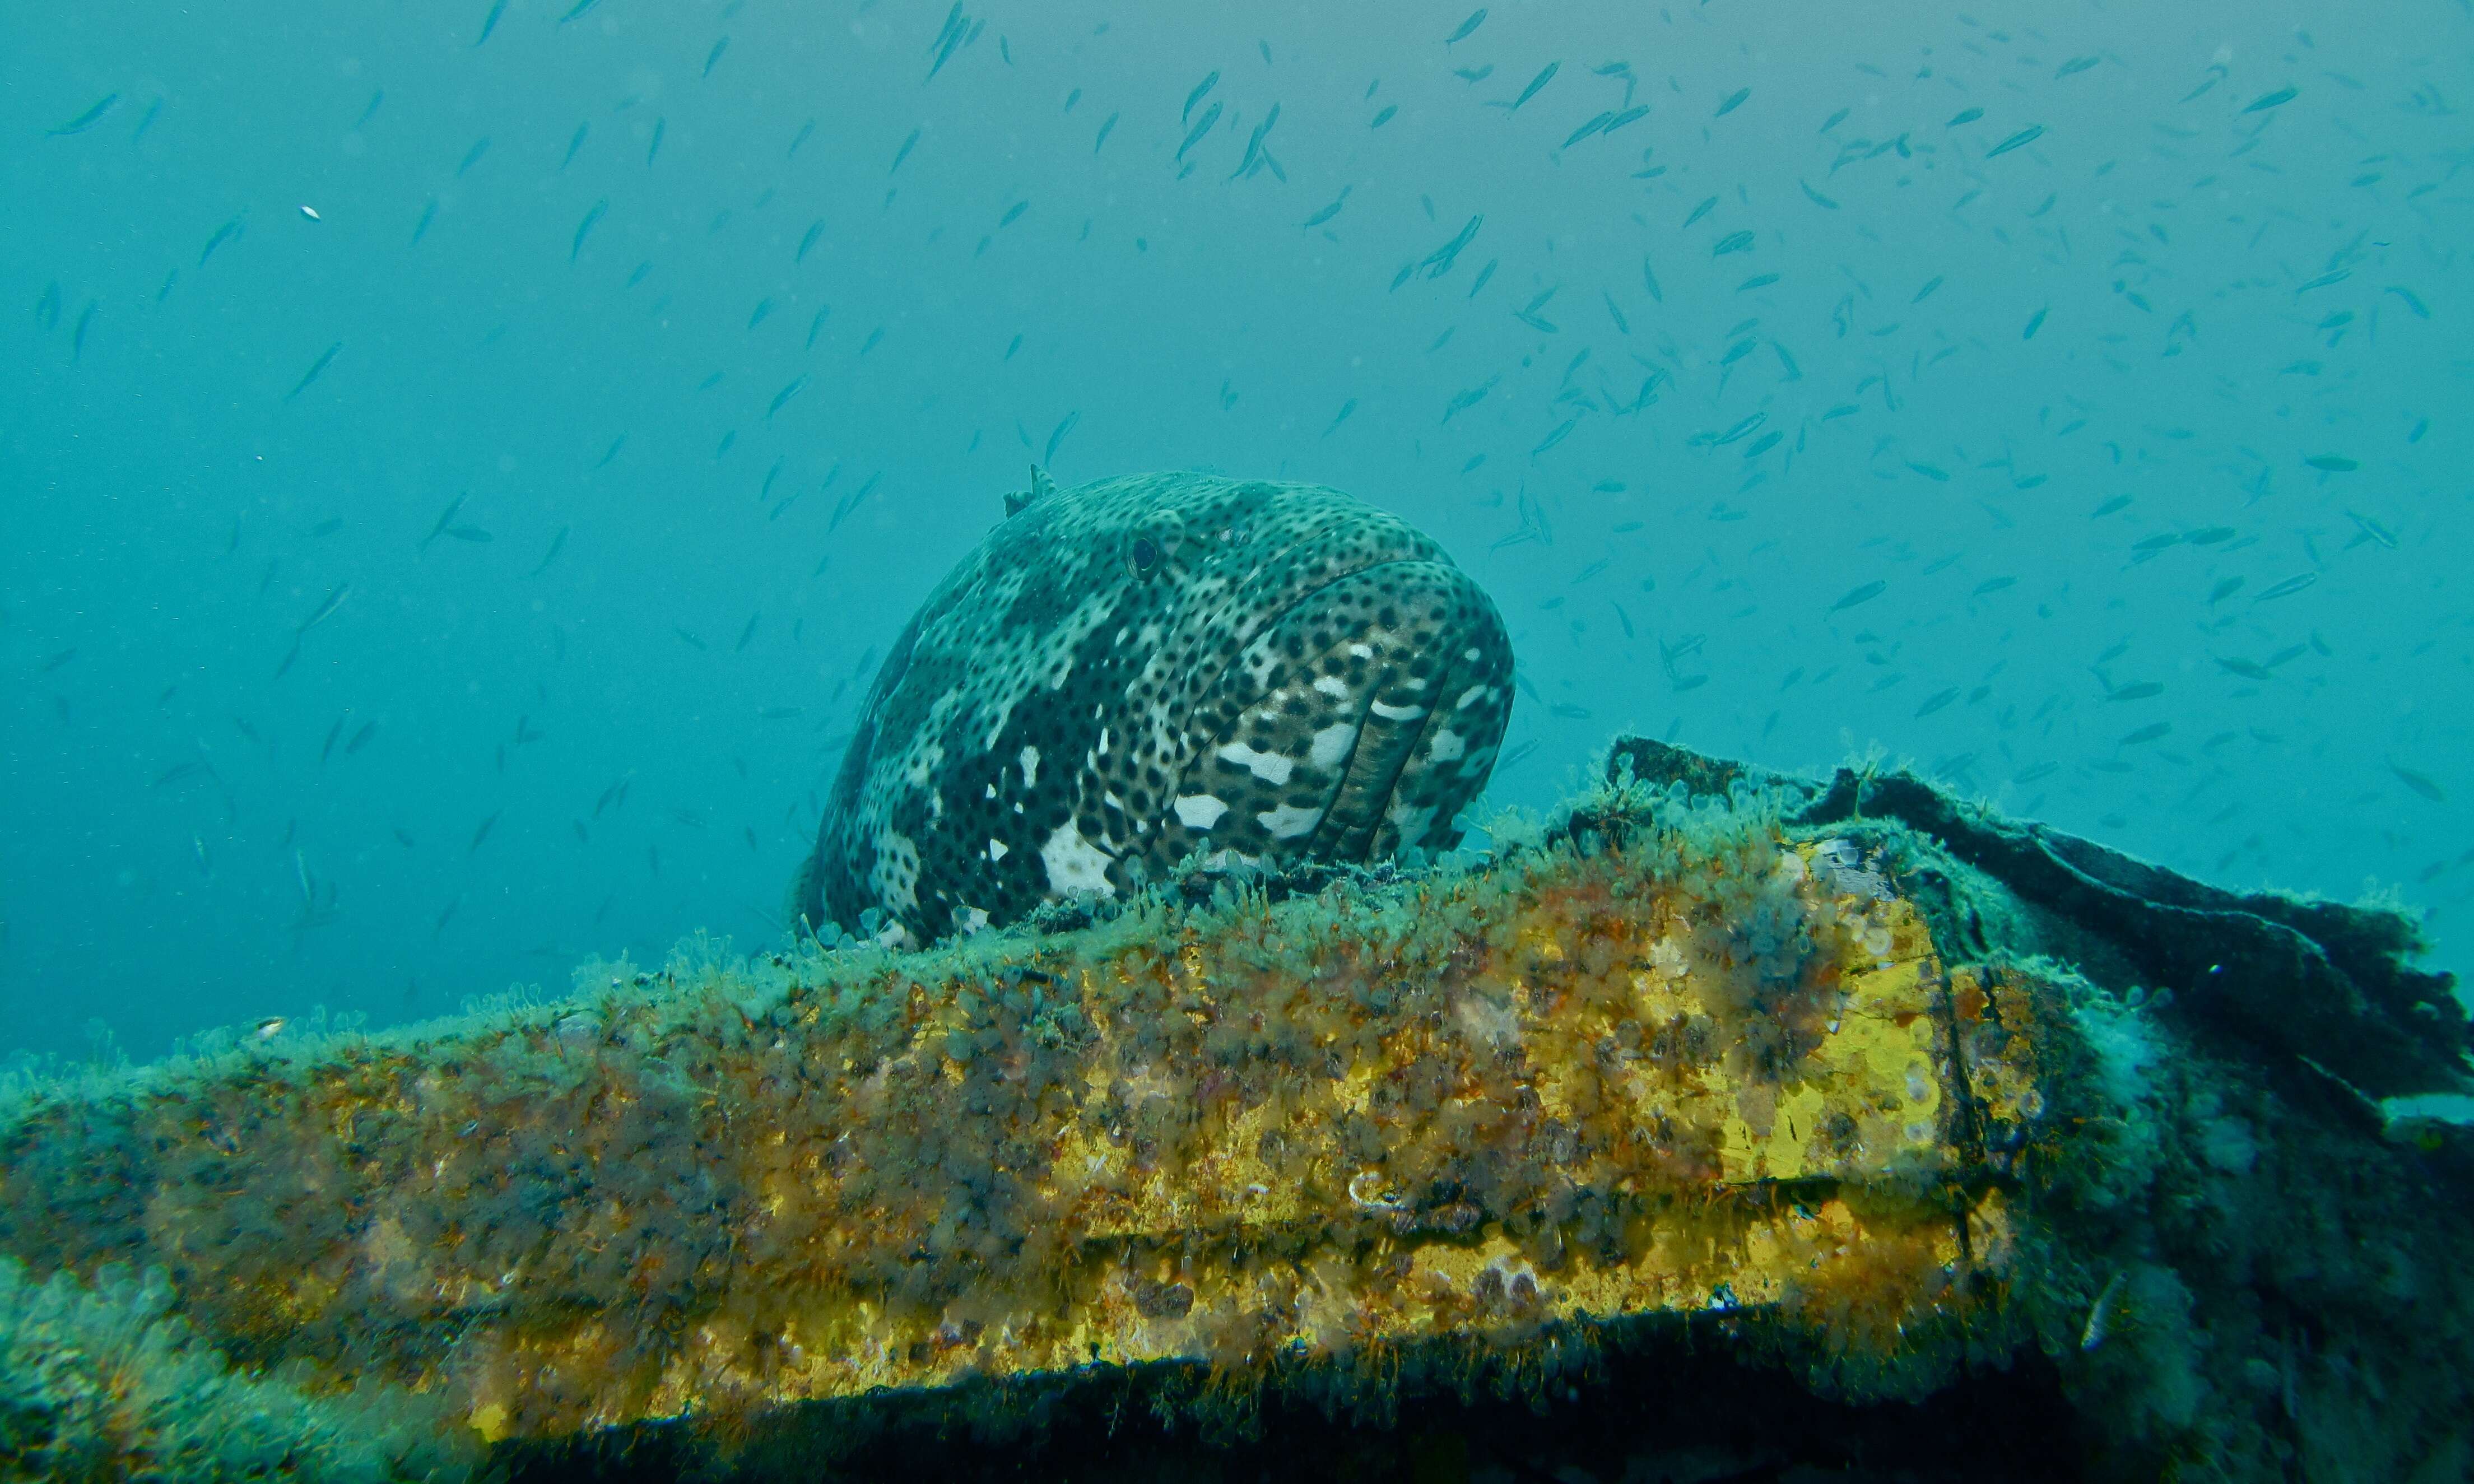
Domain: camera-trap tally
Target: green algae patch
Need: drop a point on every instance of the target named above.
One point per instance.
(102, 1380)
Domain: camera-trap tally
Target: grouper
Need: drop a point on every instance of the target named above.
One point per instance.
(1142, 670)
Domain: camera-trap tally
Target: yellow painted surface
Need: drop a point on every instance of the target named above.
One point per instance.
(1643, 1083)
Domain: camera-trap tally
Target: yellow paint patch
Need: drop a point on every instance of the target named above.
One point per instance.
(1461, 1110)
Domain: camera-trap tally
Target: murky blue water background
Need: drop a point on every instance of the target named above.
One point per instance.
(2123, 347)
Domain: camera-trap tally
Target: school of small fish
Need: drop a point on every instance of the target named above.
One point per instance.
(561, 408)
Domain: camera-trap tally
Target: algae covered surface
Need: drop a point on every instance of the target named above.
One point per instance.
(1687, 1069)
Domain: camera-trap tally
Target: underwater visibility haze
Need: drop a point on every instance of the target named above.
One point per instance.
(464, 468)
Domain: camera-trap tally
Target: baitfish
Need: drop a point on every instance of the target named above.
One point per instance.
(1140, 669)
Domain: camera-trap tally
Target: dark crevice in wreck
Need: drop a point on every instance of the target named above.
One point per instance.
(1682, 1407)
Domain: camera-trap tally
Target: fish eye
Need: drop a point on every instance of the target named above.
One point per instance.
(1146, 554)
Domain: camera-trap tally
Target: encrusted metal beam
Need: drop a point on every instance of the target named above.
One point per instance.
(1695, 1069)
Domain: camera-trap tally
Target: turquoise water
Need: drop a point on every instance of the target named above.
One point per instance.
(462, 466)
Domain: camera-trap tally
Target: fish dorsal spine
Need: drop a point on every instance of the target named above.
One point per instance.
(1041, 487)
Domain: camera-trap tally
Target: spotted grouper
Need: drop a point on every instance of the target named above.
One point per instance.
(1140, 670)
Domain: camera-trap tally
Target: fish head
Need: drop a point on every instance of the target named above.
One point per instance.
(1341, 687)
(1285, 673)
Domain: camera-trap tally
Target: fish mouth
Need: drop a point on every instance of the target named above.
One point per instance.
(1357, 724)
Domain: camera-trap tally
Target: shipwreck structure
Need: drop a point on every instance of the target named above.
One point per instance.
(1737, 1122)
